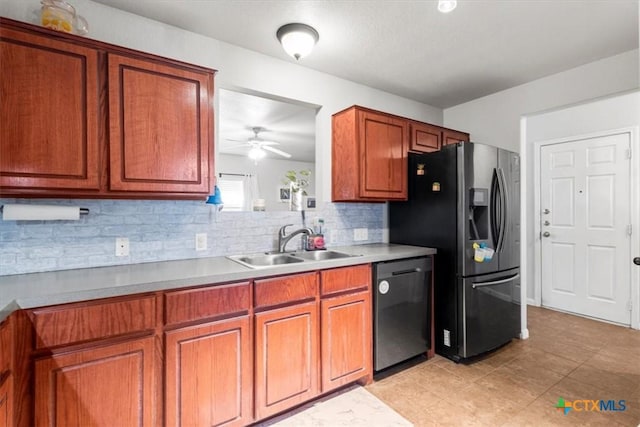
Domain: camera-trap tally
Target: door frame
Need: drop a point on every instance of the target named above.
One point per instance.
(634, 212)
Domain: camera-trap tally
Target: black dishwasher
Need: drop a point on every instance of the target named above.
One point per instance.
(401, 310)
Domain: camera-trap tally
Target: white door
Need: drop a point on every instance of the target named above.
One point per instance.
(585, 217)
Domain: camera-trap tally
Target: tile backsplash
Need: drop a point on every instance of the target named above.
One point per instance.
(164, 230)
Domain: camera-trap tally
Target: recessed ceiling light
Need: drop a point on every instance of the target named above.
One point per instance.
(446, 6)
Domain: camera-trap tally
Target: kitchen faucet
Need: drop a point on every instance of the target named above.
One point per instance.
(283, 238)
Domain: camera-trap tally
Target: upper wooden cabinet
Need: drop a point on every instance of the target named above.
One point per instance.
(426, 138)
(81, 118)
(450, 136)
(370, 150)
(369, 156)
(49, 113)
(159, 127)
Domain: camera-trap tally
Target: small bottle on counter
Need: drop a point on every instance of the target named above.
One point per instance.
(315, 242)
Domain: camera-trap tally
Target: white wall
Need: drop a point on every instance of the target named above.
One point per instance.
(495, 119)
(270, 173)
(239, 69)
(610, 113)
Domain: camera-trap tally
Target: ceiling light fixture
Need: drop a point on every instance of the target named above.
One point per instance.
(256, 153)
(297, 39)
(446, 6)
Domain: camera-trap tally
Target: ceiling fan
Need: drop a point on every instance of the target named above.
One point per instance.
(258, 146)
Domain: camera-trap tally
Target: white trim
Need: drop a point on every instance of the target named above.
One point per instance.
(635, 224)
(634, 210)
(537, 244)
(524, 332)
(531, 301)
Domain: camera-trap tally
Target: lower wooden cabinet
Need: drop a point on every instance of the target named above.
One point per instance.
(286, 358)
(112, 385)
(6, 401)
(346, 339)
(233, 354)
(209, 375)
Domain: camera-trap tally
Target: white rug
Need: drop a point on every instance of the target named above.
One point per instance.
(354, 406)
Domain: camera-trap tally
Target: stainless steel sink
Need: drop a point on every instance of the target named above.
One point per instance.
(321, 255)
(269, 260)
(256, 261)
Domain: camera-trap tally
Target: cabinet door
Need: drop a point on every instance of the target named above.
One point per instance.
(6, 401)
(48, 114)
(286, 358)
(383, 156)
(114, 385)
(453, 137)
(160, 121)
(209, 374)
(346, 339)
(425, 138)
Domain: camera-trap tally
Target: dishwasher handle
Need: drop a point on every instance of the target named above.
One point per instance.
(410, 271)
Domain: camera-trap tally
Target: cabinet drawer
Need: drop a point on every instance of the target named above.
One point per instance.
(343, 279)
(202, 303)
(74, 323)
(281, 290)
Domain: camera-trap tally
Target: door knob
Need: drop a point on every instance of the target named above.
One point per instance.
(546, 234)
(546, 211)
(636, 260)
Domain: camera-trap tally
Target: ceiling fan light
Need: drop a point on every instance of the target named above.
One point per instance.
(297, 39)
(446, 6)
(256, 153)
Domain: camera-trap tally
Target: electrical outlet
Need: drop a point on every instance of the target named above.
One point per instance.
(201, 241)
(360, 234)
(122, 246)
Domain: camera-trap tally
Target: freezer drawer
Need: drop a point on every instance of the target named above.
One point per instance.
(491, 311)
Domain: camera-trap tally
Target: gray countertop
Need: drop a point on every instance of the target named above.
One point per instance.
(59, 287)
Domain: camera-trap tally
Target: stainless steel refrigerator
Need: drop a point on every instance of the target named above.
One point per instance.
(464, 200)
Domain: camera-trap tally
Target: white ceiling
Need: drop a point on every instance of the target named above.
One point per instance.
(409, 49)
(403, 47)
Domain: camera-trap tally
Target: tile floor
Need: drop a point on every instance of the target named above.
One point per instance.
(520, 384)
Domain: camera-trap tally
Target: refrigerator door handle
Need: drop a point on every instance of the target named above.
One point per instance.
(495, 282)
(504, 208)
(495, 230)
